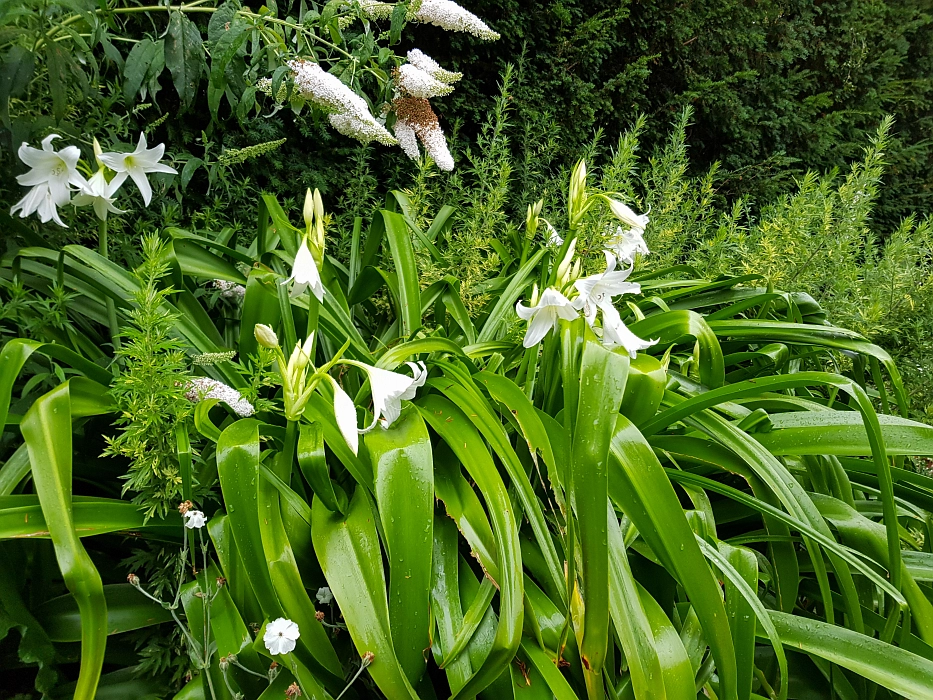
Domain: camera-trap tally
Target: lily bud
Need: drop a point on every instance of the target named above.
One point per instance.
(565, 264)
(308, 210)
(577, 199)
(265, 336)
(531, 220)
(97, 151)
(319, 221)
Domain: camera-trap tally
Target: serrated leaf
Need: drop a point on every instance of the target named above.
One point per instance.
(137, 67)
(184, 56)
(56, 61)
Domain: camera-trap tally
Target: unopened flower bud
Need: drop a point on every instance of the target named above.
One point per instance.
(265, 336)
(308, 210)
(221, 582)
(133, 579)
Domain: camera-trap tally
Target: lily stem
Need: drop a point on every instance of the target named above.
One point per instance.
(111, 308)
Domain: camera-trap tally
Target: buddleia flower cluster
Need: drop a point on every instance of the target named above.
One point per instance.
(416, 81)
(441, 13)
(347, 112)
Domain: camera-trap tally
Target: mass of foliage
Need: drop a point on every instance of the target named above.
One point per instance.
(593, 383)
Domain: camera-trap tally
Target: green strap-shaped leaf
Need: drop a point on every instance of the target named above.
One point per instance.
(445, 601)
(403, 255)
(893, 668)
(602, 384)
(348, 549)
(313, 465)
(456, 429)
(673, 325)
(639, 486)
(46, 428)
(501, 312)
(404, 477)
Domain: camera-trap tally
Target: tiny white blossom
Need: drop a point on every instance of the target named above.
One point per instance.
(418, 58)
(98, 193)
(194, 519)
(544, 315)
(596, 291)
(324, 595)
(450, 16)
(137, 165)
(626, 244)
(280, 636)
(348, 112)
(201, 388)
(305, 274)
(418, 83)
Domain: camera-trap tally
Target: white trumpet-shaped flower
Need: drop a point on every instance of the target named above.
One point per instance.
(450, 16)
(389, 389)
(305, 274)
(544, 315)
(596, 291)
(98, 193)
(345, 413)
(137, 165)
(50, 176)
(626, 215)
(38, 199)
(615, 332)
(626, 244)
(280, 636)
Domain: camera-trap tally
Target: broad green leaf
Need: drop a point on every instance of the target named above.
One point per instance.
(184, 56)
(127, 609)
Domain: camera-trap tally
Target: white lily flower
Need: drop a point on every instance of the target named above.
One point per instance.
(39, 198)
(99, 193)
(544, 315)
(627, 244)
(419, 376)
(596, 291)
(626, 215)
(305, 274)
(54, 169)
(345, 412)
(194, 519)
(280, 636)
(389, 390)
(324, 595)
(137, 165)
(615, 332)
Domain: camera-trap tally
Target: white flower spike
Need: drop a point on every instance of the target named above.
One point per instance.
(450, 16)
(194, 519)
(98, 193)
(418, 83)
(280, 636)
(596, 291)
(544, 315)
(625, 245)
(137, 165)
(202, 388)
(418, 58)
(305, 274)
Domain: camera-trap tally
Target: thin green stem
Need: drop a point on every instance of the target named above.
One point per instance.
(111, 308)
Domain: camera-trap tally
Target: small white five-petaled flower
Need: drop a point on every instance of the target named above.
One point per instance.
(324, 595)
(280, 636)
(194, 519)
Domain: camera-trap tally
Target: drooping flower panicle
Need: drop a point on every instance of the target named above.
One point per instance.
(202, 388)
(450, 16)
(348, 113)
(415, 116)
(419, 59)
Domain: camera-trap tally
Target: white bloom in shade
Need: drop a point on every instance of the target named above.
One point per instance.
(137, 165)
(417, 115)
(194, 519)
(376, 10)
(324, 596)
(407, 139)
(418, 58)
(38, 199)
(596, 291)
(417, 83)
(280, 636)
(345, 413)
(627, 244)
(544, 315)
(450, 16)
(55, 170)
(305, 274)
(231, 290)
(201, 388)
(348, 112)
(615, 332)
(98, 193)
(626, 215)
(389, 390)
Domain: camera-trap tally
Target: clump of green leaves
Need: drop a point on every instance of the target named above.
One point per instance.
(150, 391)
